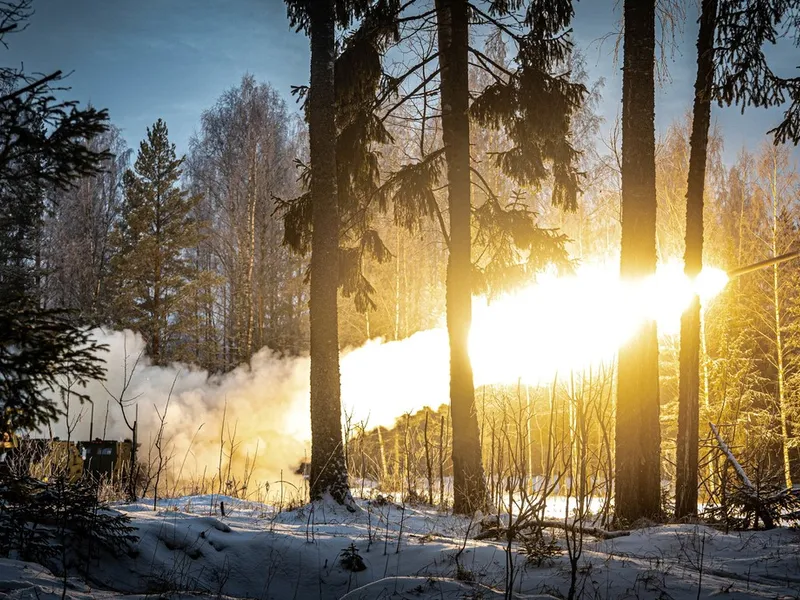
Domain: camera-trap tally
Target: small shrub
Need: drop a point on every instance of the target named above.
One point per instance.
(351, 560)
(414, 498)
(464, 574)
(381, 500)
(40, 520)
(538, 547)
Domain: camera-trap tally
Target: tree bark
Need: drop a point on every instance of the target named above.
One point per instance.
(328, 468)
(638, 437)
(469, 487)
(689, 383)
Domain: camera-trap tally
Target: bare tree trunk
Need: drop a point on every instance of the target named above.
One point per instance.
(469, 487)
(246, 348)
(406, 299)
(441, 460)
(529, 416)
(133, 465)
(328, 469)
(688, 441)
(779, 350)
(428, 463)
(397, 285)
(638, 436)
(410, 479)
(383, 457)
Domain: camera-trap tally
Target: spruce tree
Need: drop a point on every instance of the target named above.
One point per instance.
(533, 108)
(152, 271)
(42, 149)
(468, 481)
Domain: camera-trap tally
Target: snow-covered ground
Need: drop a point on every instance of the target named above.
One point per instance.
(413, 552)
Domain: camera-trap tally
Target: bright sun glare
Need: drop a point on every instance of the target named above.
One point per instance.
(552, 327)
(572, 322)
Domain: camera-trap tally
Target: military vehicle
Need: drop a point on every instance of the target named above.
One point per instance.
(45, 458)
(105, 458)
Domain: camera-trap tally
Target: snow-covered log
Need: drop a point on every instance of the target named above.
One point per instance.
(502, 532)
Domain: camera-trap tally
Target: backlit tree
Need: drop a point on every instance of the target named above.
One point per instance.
(638, 437)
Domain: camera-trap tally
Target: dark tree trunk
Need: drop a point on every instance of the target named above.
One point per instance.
(328, 469)
(469, 488)
(638, 437)
(689, 386)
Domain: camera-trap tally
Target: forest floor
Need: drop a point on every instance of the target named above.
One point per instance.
(187, 549)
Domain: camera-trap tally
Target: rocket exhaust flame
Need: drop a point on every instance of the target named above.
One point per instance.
(554, 326)
(570, 323)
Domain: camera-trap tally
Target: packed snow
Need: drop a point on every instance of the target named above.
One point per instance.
(187, 547)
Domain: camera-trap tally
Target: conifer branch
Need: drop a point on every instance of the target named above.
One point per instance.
(483, 58)
(486, 187)
(30, 87)
(399, 80)
(411, 94)
(497, 23)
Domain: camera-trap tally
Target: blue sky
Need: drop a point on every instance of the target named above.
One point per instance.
(172, 58)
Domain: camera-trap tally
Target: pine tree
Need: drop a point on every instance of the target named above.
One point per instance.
(638, 436)
(152, 272)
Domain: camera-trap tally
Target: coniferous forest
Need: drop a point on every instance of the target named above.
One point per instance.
(469, 310)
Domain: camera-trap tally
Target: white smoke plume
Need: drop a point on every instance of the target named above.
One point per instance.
(266, 403)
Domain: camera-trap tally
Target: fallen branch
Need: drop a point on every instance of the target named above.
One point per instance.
(732, 459)
(602, 534)
(750, 495)
(502, 532)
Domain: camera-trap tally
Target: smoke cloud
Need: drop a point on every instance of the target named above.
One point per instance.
(264, 405)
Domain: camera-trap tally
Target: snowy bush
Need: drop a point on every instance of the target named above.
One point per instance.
(41, 521)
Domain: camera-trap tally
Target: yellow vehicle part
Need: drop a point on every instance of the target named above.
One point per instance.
(9, 440)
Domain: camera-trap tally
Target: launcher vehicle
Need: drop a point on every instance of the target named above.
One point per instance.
(42, 458)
